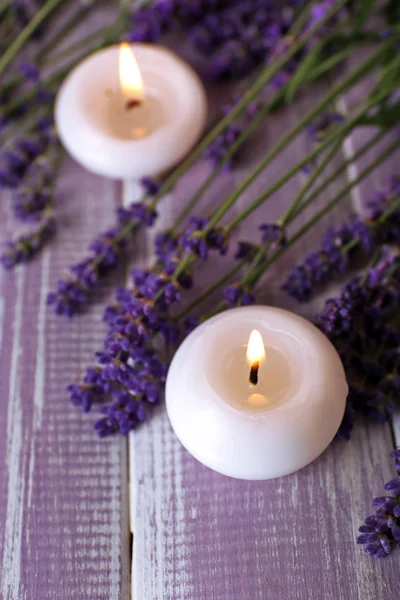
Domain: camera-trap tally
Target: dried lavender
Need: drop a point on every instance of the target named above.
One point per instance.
(363, 324)
(34, 194)
(381, 531)
(235, 38)
(343, 246)
(194, 240)
(107, 250)
(240, 293)
(130, 368)
(219, 148)
(133, 366)
(19, 154)
(26, 246)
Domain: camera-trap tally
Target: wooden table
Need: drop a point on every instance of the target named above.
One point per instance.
(65, 507)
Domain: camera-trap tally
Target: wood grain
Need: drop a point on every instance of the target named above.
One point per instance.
(63, 493)
(201, 536)
(64, 530)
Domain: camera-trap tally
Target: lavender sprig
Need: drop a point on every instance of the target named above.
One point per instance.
(234, 37)
(34, 194)
(26, 246)
(19, 154)
(363, 324)
(107, 250)
(380, 532)
(131, 368)
(342, 246)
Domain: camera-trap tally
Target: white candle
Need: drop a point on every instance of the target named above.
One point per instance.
(256, 430)
(126, 118)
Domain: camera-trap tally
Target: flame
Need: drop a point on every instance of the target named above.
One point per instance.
(255, 348)
(129, 75)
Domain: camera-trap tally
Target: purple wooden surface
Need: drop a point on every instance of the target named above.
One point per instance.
(64, 529)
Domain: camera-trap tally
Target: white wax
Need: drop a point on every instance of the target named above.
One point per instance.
(106, 137)
(263, 431)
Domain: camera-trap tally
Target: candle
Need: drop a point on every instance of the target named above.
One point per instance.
(126, 115)
(256, 392)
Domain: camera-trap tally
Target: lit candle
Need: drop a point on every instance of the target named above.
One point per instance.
(256, 392)
(126, 114)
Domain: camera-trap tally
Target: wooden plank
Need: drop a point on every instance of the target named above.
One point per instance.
(201, 535)
(63, 512)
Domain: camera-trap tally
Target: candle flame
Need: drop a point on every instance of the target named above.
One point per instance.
(129, 74)
(255, 348)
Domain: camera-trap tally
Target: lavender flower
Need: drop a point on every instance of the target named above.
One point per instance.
(396, 455)
(130, 367)
(107, 250)
(18, 156)
(195, 240)
(323, 125)
(24, 11)
(240, 293)
(234, 37)
(319, 129)
(381, 531)
(140, 326)
(35, 192)
(237, 295)
(150, 186)
(27, 245)
(361, 322)
(342, 246)
(216, 151)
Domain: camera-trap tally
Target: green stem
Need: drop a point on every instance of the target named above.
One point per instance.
(349, 80)
(367, 146)
(210, 290)
(104, 32)
(51, 43)
(49, 81)
(255, 122)
(327, 208)
(292, 210)
(265, 76)
(27, 32)
(25, 124)
(4, 7)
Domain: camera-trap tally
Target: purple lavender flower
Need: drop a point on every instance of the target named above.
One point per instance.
(323, 125)
(381, 531)
(236, 295)
(27, 245)
(218, 149)
(319, 129)
(18, 156)
(32, 197)
(165, 245)
(151, 186)
(129, 365)
(233, 37)
(342, 246)
(246, 250)
(274, 234)
(194, 240)
(396, 455)
(24, 11)
(107, 249)
(361, 323)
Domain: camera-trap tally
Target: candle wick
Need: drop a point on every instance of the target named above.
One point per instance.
(253, 378)
(132, 103)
